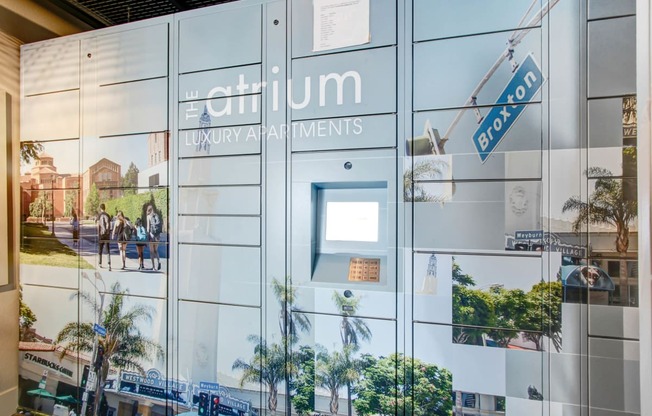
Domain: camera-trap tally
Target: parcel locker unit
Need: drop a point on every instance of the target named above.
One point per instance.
(394, 201)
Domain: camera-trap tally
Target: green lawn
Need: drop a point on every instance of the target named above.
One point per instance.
(39, 248)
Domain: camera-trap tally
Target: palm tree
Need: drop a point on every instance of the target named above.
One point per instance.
(291, 321)
(607, 205)
(124, 345)
(334, 371)
(352, 331)
(422, 170)
(268, 366)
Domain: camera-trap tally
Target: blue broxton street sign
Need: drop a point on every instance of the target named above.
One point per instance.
(523, 86)
(99, 330)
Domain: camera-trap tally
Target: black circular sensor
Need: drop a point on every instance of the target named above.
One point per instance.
(348, 165)
(348, 293)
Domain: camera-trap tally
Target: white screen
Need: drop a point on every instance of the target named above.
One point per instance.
(352, 221)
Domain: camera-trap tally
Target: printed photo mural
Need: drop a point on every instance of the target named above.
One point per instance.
(438, 218)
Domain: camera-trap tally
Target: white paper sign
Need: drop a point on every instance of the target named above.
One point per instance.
(340, 23)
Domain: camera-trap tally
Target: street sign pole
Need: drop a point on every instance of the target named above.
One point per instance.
(99, 330)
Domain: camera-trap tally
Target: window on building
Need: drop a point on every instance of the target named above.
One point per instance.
(469, 400)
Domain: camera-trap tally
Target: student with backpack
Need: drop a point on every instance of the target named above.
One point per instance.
(122, 233)
(141, 240)
(104, 234)
(154, 228)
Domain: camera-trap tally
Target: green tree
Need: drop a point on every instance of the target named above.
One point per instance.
(269, 365)
(69, 203)
(470, 307)
(460, 278)
(353, 330)
(543, 317)
(125, 347)
(303, 400)
(510, 307)
(92, 201)
(607, 204)
(40, 206)
(399, 385)
(30, 151)
(474, 309)
(130, 180)
(27, 318)
(333, 371)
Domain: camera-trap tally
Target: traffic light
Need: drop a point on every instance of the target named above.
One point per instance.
(215, 404)
(99, 358)
(84, 377)
(203, 404)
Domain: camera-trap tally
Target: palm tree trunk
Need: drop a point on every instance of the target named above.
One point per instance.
(622, 245)
(335, 404)
(348, 398)
(272, 401)
(624, 286)
(99, 391)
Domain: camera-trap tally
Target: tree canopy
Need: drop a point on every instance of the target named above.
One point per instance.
(130, 180)
(399, 385)
(30, 151)
(334, 371)
(27, 318)
(40, 206)
(303, 399)
(606, 205)
(503, 314)
(268, 365)
(92, 201)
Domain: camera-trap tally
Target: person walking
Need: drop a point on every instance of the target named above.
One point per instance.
(104, 234)
(154, 234)
(122, 234)
(141, 240)
(74, 221)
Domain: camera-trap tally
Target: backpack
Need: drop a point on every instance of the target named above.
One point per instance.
(104, 228)
(141, 234)
(155, 225)
(127, 231)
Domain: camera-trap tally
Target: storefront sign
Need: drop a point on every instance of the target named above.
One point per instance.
(47, 363)
(154, 378)
(522, 88)
(629, 117)
(234, 403)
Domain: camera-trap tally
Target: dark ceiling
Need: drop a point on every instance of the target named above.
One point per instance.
(103, 13)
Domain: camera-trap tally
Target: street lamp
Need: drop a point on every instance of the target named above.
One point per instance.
(98, 321)
(52, 206)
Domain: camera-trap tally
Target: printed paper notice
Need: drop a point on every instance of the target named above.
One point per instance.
(340, 23)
